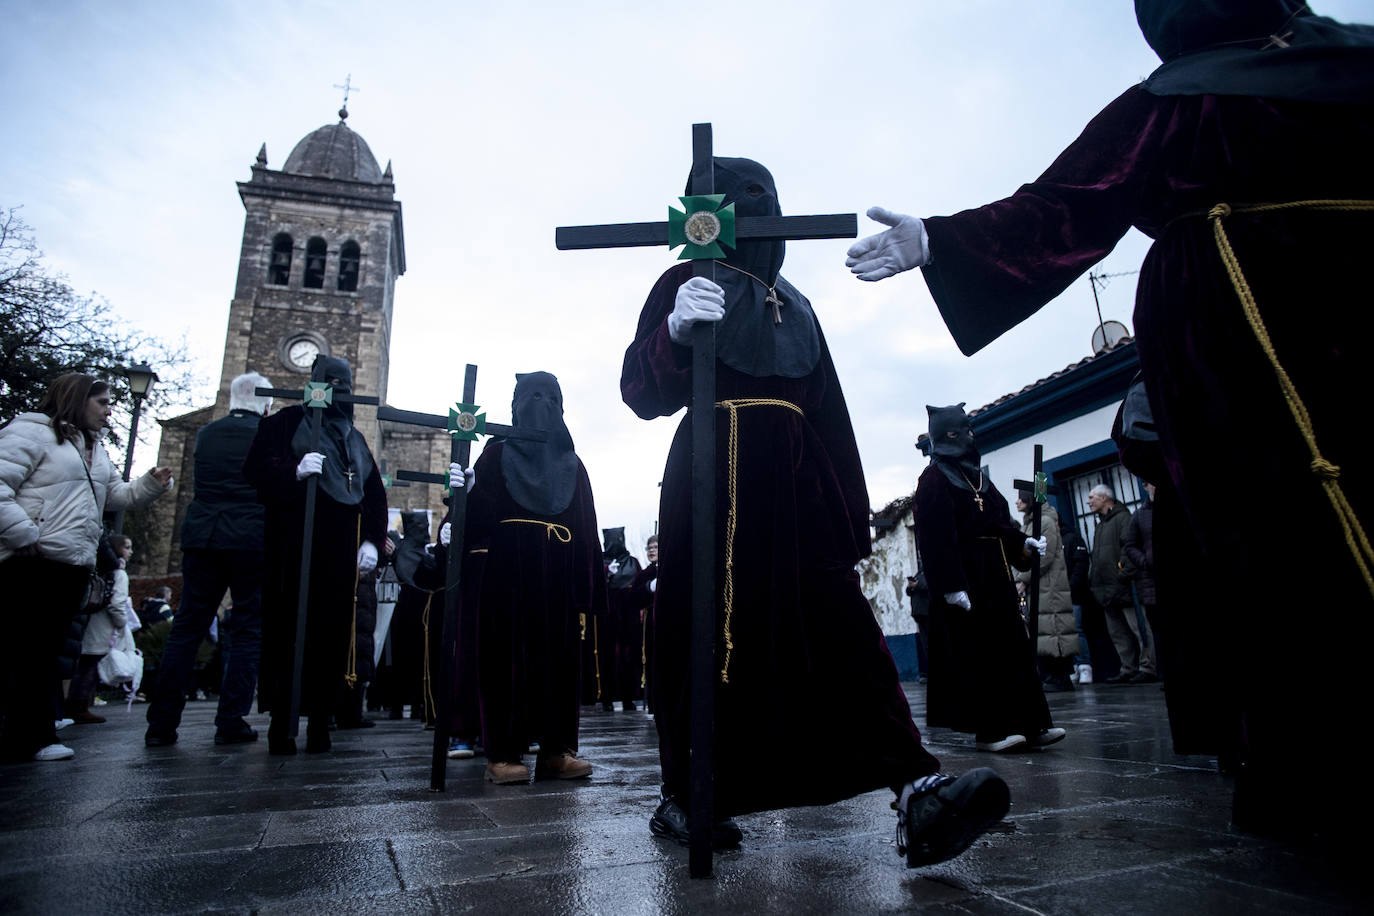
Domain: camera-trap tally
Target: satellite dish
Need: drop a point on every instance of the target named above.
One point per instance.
(1107, 335)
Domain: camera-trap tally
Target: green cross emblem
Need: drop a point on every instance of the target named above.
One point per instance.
(702, 228)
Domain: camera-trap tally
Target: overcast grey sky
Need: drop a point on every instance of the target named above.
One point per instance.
(127, 124)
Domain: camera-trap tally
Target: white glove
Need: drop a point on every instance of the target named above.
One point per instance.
(613, 567)
(697, 300)
(459, 477)
(959, 599)
(367, 557)
(900, 248)
(653, 585)
(445, 533)
(1041, 546)
(311, 463)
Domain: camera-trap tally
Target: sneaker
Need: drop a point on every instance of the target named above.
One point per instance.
(566, 765)
(60, 724)
(99, 701)
(1085, 674)
(670, 821)
(1047, 737)
(1073, 677)
(458, 749)
(55, 752)
(939, 816)
(533, 748)
(507, 773)
(1000, 745)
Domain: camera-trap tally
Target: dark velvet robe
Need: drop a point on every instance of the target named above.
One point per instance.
(1152, 162)
(807, 649)
(270, 467)
(620, 641)
(982, 667)
(533, 589)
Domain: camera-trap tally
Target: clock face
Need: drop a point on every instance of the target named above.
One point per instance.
(302, 353)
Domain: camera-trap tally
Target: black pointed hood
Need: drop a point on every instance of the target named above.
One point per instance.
(747, 339)
(344, 448)
(953, 450)
(541, 476)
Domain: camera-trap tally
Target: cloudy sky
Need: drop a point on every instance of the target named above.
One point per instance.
(127, 124)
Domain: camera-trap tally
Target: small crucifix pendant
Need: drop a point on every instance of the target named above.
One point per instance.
(349, 474)
(773, 300)
(979, 500)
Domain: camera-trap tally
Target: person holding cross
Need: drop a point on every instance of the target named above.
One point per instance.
(350, 520)
(797, 642)
(530, 505)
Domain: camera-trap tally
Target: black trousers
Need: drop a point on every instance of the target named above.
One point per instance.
(206, 575)
(43, 596)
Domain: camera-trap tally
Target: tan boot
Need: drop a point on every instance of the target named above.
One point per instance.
(505, 773)
(563, 766)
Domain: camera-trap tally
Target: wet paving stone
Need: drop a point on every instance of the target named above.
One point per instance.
(1109, 820)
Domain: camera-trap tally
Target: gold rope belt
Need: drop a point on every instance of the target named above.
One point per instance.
(563, 533)
(731, 520)
(351, 677)
(431, 707)
(1328, 473)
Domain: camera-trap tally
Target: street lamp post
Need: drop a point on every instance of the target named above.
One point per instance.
(141, 378)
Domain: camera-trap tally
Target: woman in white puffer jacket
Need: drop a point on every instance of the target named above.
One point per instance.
(56, 482)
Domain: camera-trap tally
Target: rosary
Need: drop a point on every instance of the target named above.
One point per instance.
(772, 297)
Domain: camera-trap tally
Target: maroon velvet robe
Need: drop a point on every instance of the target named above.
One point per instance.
(808, 653)
(1159, 163)
(534, 586)
(270, 466)
(982, 667)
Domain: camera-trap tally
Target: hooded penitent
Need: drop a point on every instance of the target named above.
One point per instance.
(410, 552)
(541, 476)
(347, 461)
(614, 539)
(953, 450)
(1268, 48)
(747, 338)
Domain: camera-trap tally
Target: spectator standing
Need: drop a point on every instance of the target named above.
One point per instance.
(1138, 547)
(56, 482)
(111, 557)
(1056, 641)
(1078, 562)
(1112, 589)
(221, 542)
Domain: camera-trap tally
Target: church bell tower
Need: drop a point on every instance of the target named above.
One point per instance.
(322, 247)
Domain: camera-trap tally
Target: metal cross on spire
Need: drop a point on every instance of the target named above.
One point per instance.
(347, 87)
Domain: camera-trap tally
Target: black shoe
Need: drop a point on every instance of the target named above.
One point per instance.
(361, 722)
(159, 739)
(608, 707)
(242, 734)
(1144, 677)
(1118, 679)
(279, 743)
(939, 817)
(671, 821)
(630, 706)
(1058, 683)
(317, 737)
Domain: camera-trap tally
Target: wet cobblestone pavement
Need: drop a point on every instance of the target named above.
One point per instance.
(1107, 821)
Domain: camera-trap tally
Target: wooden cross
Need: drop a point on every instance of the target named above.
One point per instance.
(1037, 486)
(757, 228)
(316, 396)
(464, 425)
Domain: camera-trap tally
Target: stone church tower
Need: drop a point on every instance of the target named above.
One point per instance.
(323, 245)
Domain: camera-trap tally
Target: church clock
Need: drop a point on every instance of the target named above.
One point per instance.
(298, 351)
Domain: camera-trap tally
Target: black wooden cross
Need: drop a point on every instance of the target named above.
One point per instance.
(464, 425)
(1037, 485)
(757, 228)
(316, 396)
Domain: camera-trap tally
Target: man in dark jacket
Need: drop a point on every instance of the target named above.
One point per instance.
(1112, 589)
(221, 543)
